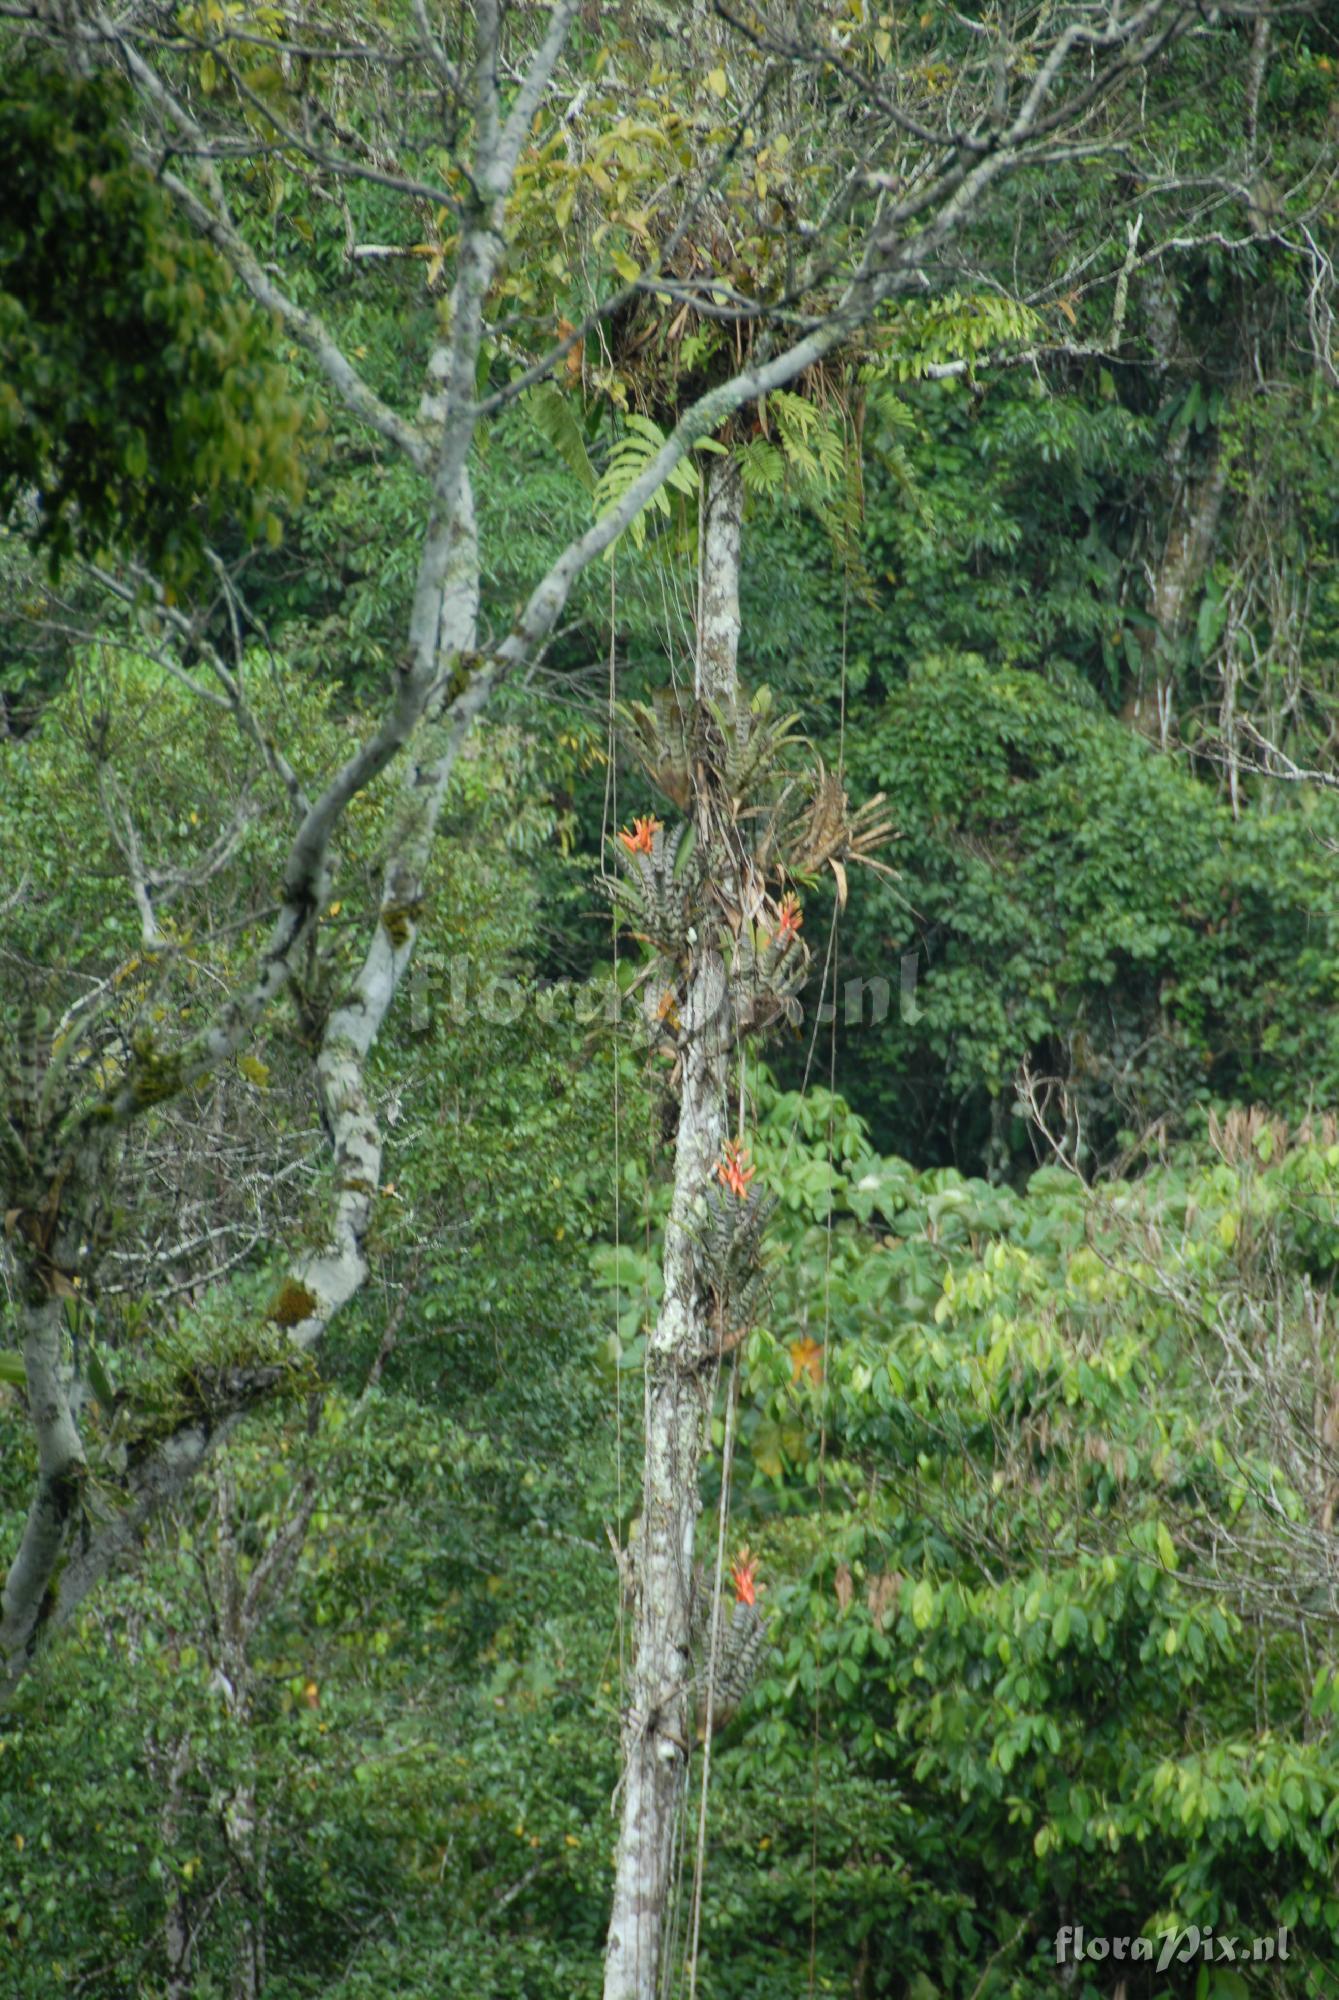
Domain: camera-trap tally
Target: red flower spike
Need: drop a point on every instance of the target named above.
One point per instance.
(642, 837)
(733, 1170)
(792, 919)
(744, 1570)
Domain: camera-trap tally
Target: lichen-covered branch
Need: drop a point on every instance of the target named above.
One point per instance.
(330, 1279)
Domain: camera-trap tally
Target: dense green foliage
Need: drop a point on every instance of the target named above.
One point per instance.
(1011, 1688)
(123, 347)
(1069, 896)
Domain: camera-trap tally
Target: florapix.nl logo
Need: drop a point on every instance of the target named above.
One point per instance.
(1180, 1945)
(454, 989)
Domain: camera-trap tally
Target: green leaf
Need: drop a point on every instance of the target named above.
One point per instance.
(556, 420)
(99, 1380)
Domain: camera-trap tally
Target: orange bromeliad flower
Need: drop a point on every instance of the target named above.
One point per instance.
(733, 1170)
(642, 837)
(792, 919)
(744, 1570)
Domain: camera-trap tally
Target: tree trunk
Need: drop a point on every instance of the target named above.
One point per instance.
(1196, 505)
(658, 1717)
(1194, 499)
(25, 1603)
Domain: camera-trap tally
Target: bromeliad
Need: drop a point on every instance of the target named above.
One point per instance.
(729, 1656)
(642, 838)
(733, 1170)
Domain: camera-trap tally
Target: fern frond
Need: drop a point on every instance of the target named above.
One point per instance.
(641, 442)
(761, 466)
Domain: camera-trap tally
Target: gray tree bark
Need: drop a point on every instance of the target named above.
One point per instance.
(658, 1721)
